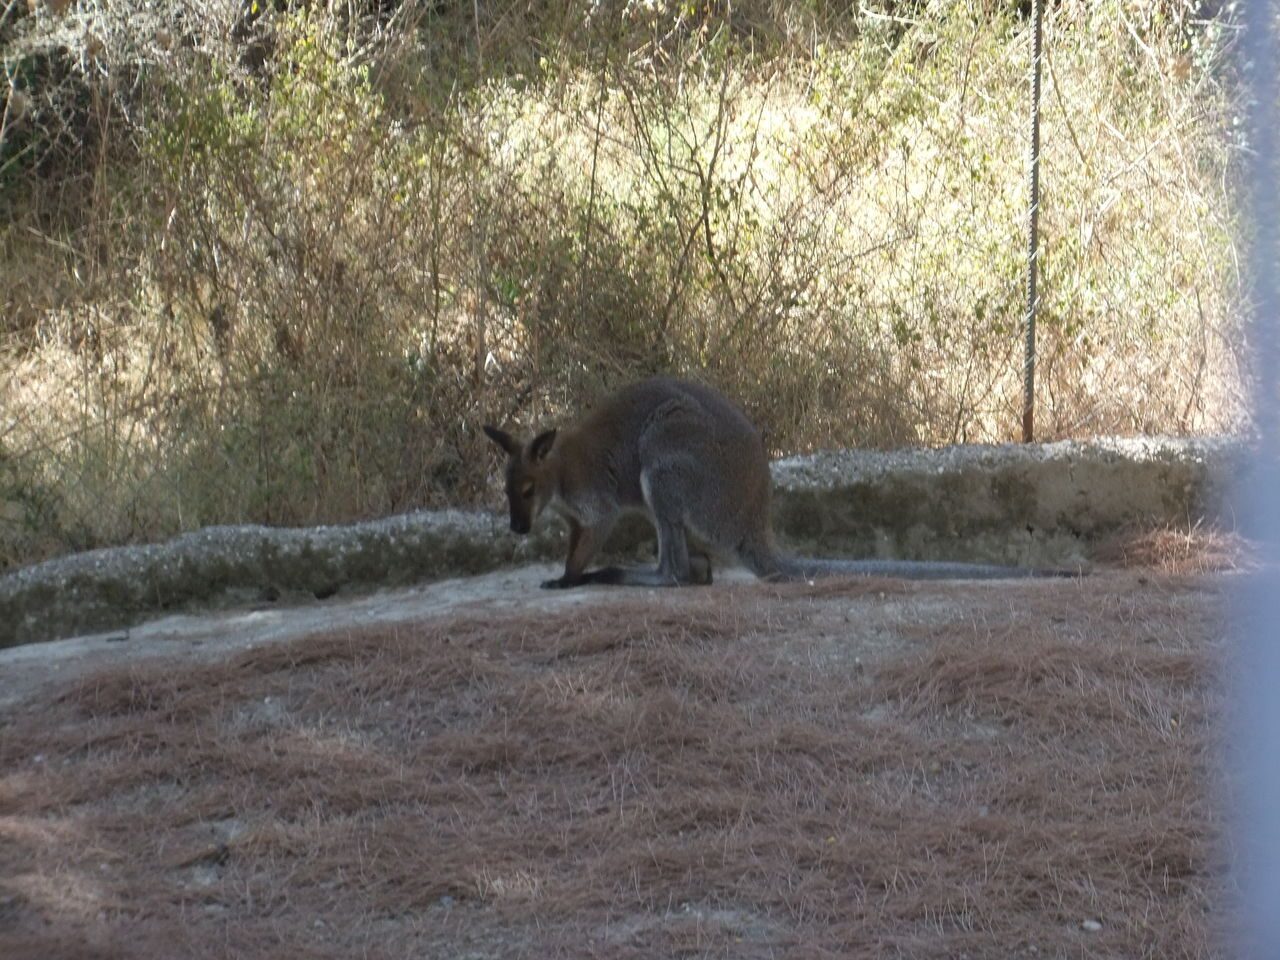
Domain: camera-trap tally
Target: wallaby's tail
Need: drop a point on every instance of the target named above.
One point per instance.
(809, 568)
(766, 562)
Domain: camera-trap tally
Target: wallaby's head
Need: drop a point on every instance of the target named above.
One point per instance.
(530, 480)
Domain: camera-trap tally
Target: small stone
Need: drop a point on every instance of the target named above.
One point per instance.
(1093, 926)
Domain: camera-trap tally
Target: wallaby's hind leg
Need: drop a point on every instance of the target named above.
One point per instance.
(673, 551)
(676, 567)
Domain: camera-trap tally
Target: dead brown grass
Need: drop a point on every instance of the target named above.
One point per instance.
(1181, 551)
(648, 779)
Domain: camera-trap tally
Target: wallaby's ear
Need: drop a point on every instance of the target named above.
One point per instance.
(502, 439)
(541, 445)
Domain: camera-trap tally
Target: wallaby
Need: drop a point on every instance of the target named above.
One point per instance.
(691, 460)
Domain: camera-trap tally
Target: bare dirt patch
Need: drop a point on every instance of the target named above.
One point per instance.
(849, 769)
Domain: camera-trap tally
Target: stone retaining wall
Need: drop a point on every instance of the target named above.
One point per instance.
(1036, 505)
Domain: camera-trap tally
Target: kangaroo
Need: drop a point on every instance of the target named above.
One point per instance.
(686, 456)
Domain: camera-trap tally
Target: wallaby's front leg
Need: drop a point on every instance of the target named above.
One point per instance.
(584, 541)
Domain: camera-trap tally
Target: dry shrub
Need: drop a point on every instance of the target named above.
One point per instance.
(1197, 549)
(641, 780)
(315, 246)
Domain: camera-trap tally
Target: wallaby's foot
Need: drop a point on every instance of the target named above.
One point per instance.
(699, 569)
(699, 575)
(606, 575)
(563, 583)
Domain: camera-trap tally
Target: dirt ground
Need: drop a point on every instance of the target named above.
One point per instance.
(480, 769)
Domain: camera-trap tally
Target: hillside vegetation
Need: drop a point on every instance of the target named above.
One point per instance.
(277, 263)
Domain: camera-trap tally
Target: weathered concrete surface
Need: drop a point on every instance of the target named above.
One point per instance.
(1040, 505)
(232, 566)
(1035, 504)
(33, 669)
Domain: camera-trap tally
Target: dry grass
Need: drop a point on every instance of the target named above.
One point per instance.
(1185, 551)
(704, 775)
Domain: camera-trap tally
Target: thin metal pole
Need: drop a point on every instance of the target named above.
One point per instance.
(1033, 230)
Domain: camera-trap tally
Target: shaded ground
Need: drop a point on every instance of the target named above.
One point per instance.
(847, 769)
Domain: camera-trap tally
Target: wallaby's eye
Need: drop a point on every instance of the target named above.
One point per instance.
(526, 490)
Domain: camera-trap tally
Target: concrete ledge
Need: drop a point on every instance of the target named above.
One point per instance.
(1035, 505)
(1040, 505)
(242, 565)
